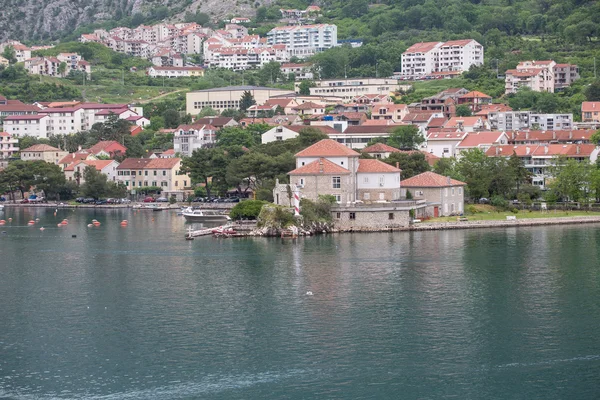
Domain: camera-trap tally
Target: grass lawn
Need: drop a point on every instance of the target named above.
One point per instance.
(124, 94)
(489, 213)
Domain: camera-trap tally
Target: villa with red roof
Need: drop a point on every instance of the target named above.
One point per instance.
(475, 100)
(330, 168)
(164, 173)
(481, 140)
(590, 111)
(446, 195)
(540, 76)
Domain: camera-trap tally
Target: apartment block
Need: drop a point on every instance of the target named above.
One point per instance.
(304, 40)
(347, 89)
(422, 59)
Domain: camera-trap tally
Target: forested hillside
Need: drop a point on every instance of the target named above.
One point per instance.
(510, 30)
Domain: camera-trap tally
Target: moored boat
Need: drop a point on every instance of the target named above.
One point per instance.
(199, 215)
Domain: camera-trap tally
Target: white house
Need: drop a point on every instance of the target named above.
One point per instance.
(74, 172)
(188, 138)
(35, 125)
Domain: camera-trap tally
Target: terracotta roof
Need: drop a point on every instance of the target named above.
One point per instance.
(475, 94)
(215, 121)
(524, 73)
(422, 47)
(163, 163)
(320, 166)
(98, 164)
(169, 151)
(105, 144)
(466, 121)
(462, 42)
(327, 148)
(549, 136)
(69, 158)
(308, 106)
(279, 102)
(41, 147)
(418, 116)
(380, 148)
(113, 111)
(488, 108)
(24, 117)
(134, 163)
(16, 106)
(543, 150)
(590, 106)
(475, 139)
(430, 179)
(437, 122)
(445, 134)
(374, 166)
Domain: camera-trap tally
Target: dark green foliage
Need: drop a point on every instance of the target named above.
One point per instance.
(247, 209)
(411, 163)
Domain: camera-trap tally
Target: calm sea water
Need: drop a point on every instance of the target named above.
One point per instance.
(140, 313)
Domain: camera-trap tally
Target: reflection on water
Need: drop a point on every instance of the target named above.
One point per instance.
(137, 312)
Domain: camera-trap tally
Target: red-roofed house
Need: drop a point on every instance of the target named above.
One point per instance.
(75, 157)
(330, 168)
(74, 171)
(43, 152)
(481, 140)
(475, 100)
(467, 124)
(284, 132)
(445, 193)
(9, 146)
(135, 173)
(429, 58)
(443, 142)
(590, 111)
(138, 120)
(107, 148)
(390, 111)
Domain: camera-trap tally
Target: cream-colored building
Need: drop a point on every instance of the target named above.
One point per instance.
(224, 98)
(447, 195)
(43, 152)
(175, 72)
(136, 173)
(347, 89)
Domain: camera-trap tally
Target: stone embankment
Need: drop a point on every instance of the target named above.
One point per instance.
(427, 226)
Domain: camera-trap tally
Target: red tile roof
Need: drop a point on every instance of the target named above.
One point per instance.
(24, 117)
(41, 147)
(422, 47)
(475, 94)
(321, 166)
(466, 121)
(309, 105)
(542, 150)
(327, 148)
(109, 146)
(550, 136)
(430, 179)
(590, 106)
(375, 166)
(134, 163)
(69, 158)
(98, 164)
(380, 148)
(462, 42)
(163, 163)
(475, 139)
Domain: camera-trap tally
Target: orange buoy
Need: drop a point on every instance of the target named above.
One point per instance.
(42, 229)
(124, 222)
(96, 223)
(10, 220)
(59, 225)
(90, 225)
(65, 222)
(2, 222)
(31, 222)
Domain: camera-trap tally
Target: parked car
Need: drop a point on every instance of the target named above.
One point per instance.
(232, 200)
(111, 200)
(100, 202)
(484, 200)
(125, 201)
(149, 200)
(162, 200)
(79, 200)
(198, 199)
(89, 200)
(25, 201)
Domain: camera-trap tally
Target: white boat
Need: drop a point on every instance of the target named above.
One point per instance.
(1, 207)
(199, 215)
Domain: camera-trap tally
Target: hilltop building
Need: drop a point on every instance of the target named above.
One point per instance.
(425, 59)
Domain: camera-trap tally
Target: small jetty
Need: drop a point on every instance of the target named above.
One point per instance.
(219, 230)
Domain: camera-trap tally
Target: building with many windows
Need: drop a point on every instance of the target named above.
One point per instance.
(423, 59)
(136, 173)
(348, 89)
(304, 40)
(188, 138)
(229, 97)
(9, 145)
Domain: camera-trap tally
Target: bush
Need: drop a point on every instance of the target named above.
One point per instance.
(471, 209)
(248, 209)
(499, 201)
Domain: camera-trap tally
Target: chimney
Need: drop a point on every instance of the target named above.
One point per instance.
(527, 150)
(527, 135)
(397, 165)
(570, 135)
(578, 149)
(448, 180)
(553, 135)
(320, 165)
(497, 150)
(546, 149)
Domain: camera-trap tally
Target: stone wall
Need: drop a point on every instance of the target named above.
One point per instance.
(357, 219)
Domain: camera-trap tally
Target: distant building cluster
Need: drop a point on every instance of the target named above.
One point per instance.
(231, 48)
(51, 66)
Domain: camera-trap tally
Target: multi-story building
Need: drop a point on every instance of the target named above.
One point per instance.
(304, 40)
(422, 59)
(520, 120)
(175, 72)
(301, 71)
(36, 125)
(447, 195)
(164, 173)
(540, 76)
(75, 171)
(540, 159)
(220, 99)
(9, 145)
(347, 89)
(188, 138)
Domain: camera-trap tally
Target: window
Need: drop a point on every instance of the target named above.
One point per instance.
(163, 183)
(391, 216)
(446, 150)
(459, 190)
(352, 215)
(452, 191)
(154, 173)
(338, 198)
(338, 215)
(337, 182)
(146, 173)
(446, 192)
(164, 173)
(301, 181)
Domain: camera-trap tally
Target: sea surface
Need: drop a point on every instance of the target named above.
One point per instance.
(137, 312)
